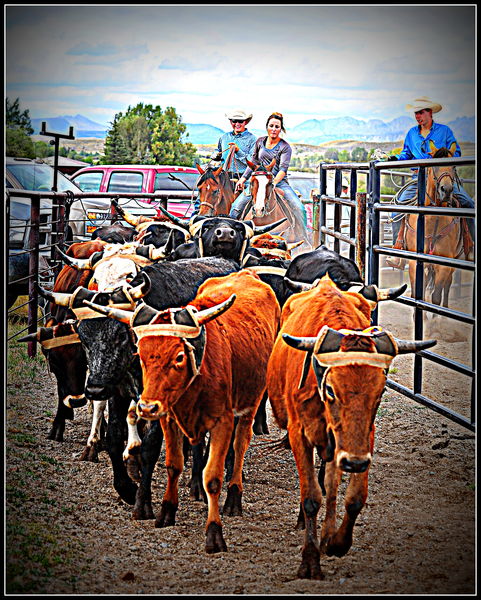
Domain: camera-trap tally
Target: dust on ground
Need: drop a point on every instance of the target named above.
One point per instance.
(69, 533)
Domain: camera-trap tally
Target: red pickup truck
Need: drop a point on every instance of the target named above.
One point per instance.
(177, 184)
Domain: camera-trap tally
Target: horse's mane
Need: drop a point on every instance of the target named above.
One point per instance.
(209, 174)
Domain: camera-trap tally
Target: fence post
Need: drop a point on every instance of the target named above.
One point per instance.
(315, 219)
(33, 272)
(361, 199)
(322, 203)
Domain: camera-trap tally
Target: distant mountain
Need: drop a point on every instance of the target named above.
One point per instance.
(82, 127)
(313, 131)
(202, 134)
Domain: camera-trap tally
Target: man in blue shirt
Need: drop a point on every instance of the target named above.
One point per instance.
(416, 146)
(244, 142)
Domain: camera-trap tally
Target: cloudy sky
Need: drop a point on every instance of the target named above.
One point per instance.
(305, 61)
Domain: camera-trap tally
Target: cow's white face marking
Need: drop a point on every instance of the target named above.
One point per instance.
(260, 204)
(111, 273)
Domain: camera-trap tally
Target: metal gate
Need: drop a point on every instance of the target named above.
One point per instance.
(364, 241)
(365, 245)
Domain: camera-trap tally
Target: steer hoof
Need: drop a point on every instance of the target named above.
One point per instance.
(127, 491)
(337, 546)
(310, 566)
(301, 522)
(196, 490)
(133, 466)
(233, 502)
(166, 517)
(90, 454)
(214, 539)
(142, 512)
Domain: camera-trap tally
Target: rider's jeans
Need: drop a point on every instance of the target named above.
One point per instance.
(240, 203)
(411, 190)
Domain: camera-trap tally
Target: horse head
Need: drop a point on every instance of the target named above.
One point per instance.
(261, 187)
(212, 190)
(441, 178)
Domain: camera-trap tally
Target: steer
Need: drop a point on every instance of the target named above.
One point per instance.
(315, 264)
(114, 368)
(202, 366)
(327, 398)
(158, 231)
(217, 236)
(67, 361)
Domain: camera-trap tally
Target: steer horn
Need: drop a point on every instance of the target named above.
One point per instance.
(142, 289)
(173, 218)
(59, 298)
(81, 263)
(114, 313)
(126, 216)
(265, 228)
(206, 315)
(299, 343)
(300, 286)
(408, 346)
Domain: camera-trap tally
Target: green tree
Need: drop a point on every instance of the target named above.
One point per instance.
(42, 149)
(148, 135)
(359, 154)
(19, 144)
(344, 155)
(15, 119)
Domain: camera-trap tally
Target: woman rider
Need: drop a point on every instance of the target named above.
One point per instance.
(266, 149)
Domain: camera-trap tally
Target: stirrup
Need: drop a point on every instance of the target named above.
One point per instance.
(396, 262)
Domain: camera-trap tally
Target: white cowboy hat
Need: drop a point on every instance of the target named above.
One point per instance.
(423, 102)
(238, 113)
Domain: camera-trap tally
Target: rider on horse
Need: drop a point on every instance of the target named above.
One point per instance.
(244, 142)
(416, 146)
(269, 148)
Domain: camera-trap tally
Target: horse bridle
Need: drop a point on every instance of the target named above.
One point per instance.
(438, 179)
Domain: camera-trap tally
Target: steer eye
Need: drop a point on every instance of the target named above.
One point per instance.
(329, 392)
(179, 359)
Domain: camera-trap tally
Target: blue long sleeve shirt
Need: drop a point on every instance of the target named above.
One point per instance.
(417, 147)
(245, 142)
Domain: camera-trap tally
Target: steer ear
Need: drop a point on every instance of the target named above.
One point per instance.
(251, 165)
(406, 347)
(299, 343)
(200, 169)
(206, 315)
(142, 289)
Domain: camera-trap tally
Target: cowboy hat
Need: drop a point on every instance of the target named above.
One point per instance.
(423, 102)
(239, 114)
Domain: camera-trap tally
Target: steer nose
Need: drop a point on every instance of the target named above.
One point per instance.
(224, 235)
(148, 411)
(96, 392)
(354, 465)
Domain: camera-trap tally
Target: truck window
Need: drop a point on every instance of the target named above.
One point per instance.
(169, 181)
(89, 182)
(125, 182)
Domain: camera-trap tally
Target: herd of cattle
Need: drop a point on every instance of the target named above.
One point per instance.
(186, 329)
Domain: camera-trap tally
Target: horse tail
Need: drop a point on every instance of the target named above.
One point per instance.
(430, 277)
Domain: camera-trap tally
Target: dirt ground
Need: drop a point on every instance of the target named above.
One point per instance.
(69, 533)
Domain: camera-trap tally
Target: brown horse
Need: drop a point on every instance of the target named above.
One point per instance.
(444, 235)
(216, 193)
(269, 205)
